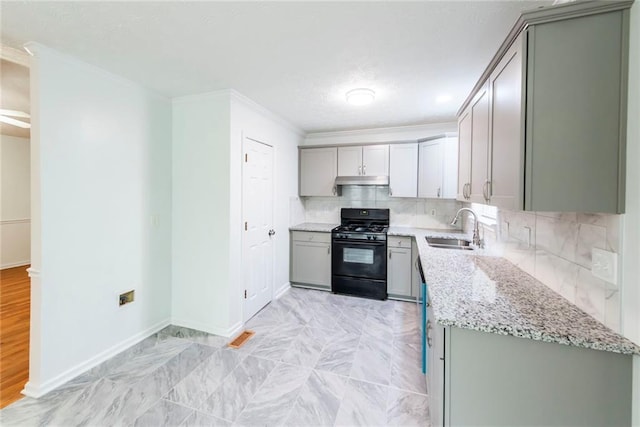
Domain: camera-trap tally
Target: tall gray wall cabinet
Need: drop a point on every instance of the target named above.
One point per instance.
(557, 113)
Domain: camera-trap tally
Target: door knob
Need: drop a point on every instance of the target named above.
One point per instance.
(272, 232)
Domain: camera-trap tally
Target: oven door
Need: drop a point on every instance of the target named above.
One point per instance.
(359, 258)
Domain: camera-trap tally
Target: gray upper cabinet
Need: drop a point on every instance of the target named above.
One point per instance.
(576, 114)
(464, 156)
(403, 170)
(505, 181)
(552, 105)
(318, 171)
(480, 146)
(438, 168)
(372, 160)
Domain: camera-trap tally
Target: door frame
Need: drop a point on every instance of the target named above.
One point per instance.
(243, 243)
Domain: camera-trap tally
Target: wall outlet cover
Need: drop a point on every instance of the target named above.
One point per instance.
(604, 265)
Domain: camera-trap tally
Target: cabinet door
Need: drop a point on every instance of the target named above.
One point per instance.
(435, 370)
(507, 133)
(375, 160)
(318, 167)
(479, 146)
(403, 170)
(430, 170)
(349, 161)
(311, 263)
(576, 114)
(464, 156)
(415, 273)
(399, 271)
(449, 168)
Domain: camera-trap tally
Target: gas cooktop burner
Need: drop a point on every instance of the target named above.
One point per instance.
(361, 228)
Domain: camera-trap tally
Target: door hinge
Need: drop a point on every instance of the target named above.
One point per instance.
(245, 294)
(246, 157)
(245, 226)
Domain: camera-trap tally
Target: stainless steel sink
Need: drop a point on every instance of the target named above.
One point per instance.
(449, 243)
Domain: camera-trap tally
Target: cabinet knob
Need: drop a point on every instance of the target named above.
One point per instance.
(390, 191)
(438, 191)
(364, 169)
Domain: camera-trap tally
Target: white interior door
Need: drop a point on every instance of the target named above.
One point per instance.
(257, 207)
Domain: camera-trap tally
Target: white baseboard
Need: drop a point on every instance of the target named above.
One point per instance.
(284, 288)
(15, 264)
(38, 390)
(223, 332)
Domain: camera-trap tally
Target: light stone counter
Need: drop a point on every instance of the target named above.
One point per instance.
(474, 290)
(314, 226)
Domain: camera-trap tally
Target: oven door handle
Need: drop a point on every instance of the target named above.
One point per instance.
(360, 242)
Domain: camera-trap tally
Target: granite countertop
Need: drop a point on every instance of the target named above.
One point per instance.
(314, 226)
(479, 291)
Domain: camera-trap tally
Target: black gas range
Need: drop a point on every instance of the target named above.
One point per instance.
(359, 253)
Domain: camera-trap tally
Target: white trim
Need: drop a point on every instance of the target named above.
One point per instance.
(15, 221)
(283, 289)
(229, 332)
(33, 272)
(430, 127)
(15, 264)
(38, 390)
(216, 94)
(15, 55)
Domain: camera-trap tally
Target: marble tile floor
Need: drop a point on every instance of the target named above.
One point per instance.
(317, 359)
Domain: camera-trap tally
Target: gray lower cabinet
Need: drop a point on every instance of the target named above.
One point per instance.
(399, 261)
(479, 378)
(311, 259)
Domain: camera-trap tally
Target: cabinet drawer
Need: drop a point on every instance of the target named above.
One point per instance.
(398, 242)
(311, 236)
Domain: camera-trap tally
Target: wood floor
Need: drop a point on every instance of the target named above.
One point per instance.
(15, 302)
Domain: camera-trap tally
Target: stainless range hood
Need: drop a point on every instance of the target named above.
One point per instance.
(363, 180)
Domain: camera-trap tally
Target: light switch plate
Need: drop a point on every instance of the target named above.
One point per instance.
(604, 265)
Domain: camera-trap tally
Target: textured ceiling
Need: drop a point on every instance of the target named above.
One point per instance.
(296, 59)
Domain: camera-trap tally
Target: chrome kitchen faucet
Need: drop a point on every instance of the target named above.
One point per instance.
(477, 241)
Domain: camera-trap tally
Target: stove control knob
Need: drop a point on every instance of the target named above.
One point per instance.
(374, 237)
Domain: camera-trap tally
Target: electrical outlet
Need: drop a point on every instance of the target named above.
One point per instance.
(126, 298)
(433, 212)
(604, 265)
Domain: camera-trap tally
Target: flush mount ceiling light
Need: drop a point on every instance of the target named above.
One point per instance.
(6, 117)
(360, 96)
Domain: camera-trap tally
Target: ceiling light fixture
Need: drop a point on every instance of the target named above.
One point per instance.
(360, 96)
(14, 122)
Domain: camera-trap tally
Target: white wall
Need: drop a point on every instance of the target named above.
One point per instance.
(15, 182)
(200, 247)
(101, 159)
(207, 204)
(401, 133)
(248, 119)
(631, 224)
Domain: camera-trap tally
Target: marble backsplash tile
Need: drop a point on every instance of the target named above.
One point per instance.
(558, 254)
(404, 212)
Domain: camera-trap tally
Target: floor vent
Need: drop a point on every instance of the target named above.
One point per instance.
(241, 339)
